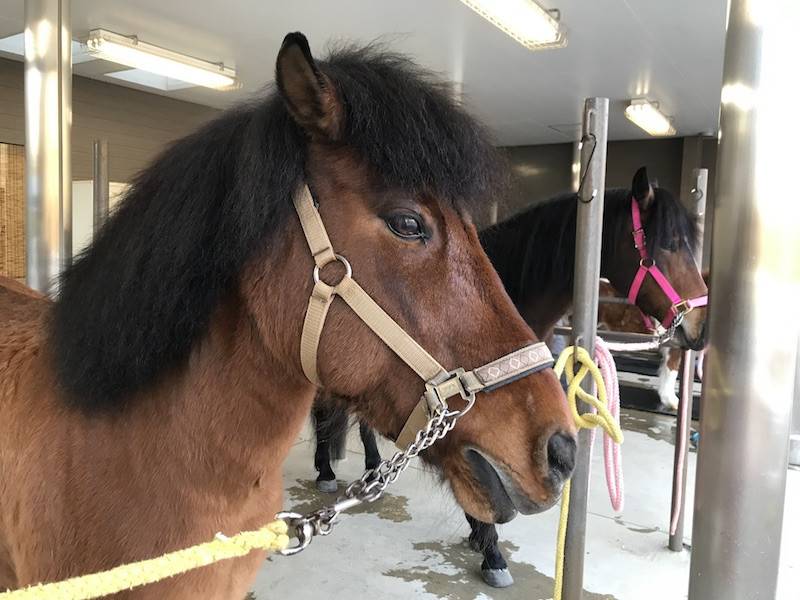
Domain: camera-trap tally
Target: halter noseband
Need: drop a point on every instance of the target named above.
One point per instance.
(440, 384)
(678, 307)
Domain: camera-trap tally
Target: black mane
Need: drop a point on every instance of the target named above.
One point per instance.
(535, 249)
(134, 304)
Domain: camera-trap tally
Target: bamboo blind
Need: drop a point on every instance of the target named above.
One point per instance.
(12, 211)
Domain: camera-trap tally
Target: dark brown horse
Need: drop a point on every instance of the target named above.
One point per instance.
(534, 253)
(152, 405)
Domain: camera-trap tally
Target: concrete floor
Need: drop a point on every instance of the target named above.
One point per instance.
(411, 542)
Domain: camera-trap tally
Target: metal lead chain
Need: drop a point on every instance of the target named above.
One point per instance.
(373, 483)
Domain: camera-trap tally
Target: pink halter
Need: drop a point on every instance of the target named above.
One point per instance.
(679, 307)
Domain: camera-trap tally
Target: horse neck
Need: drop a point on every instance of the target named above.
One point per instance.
(233, 413)
(542, 294)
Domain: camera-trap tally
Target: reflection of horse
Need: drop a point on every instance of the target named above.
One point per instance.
(616, 316)
(152, 405)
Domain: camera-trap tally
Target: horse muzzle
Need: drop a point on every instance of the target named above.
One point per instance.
(505, 494)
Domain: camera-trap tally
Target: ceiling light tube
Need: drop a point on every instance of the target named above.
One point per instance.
(524, 20)
(646, 115)
(130, 51)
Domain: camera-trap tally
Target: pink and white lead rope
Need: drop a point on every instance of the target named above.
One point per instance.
(612, 458)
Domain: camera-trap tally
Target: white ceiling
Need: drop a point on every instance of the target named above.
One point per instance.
(667, 50)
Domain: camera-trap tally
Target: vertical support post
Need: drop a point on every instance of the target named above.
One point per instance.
(588, 246)
(680, 462)
(794, 437)
(48, 120)
(576, 165)
(755, 282)
(696, 200)
(100, 191)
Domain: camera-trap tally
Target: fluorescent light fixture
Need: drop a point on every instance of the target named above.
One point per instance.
(524, 20)
(147, 79)
(132, 52)
(646, 115)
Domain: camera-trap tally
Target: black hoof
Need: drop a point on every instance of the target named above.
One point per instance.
(498, 578)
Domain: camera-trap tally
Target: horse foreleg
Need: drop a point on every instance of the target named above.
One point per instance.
(668, 376)
(372, 456)
(483, 538)
(326, 480)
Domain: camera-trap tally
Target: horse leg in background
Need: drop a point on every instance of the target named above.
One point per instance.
(330, 428)
(483, 539)
(668, 377)
(372, 458)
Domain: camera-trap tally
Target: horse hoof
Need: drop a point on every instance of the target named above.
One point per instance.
(498, 578)
(670, 403)
(328, 486)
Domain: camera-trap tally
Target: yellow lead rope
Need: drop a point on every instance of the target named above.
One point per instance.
(602, 418)
(272, 537)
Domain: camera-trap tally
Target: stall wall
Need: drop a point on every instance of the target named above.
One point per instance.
(541, 172)
(136, 124)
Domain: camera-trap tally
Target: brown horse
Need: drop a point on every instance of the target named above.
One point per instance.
(152, 404)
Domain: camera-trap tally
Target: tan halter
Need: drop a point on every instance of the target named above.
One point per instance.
(440, 384)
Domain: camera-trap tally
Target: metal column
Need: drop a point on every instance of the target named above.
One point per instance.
(794, 438)
(696, 201)
(588, 247)
(48, 120)
(575, 169)
(100, 191)
(755, 283)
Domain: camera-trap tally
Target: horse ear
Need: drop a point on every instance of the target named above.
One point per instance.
(308, 93)
(641, 189)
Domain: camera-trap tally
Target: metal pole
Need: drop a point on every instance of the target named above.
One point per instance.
(697, 199)
(680, 462)
(99, 183)
(588, 246)
(794, 438)
(48, 120)
(697, 205)
(576, 165)
(755, 283)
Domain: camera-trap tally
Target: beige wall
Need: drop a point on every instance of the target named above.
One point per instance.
(137, 125)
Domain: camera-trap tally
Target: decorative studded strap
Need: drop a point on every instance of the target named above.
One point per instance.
(511, 367)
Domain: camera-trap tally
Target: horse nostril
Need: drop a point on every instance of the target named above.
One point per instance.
(561, 448)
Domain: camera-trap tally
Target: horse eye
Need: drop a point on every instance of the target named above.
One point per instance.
(406, 225)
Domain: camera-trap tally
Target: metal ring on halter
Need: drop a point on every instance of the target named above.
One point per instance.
(646, 262)
(339, 258)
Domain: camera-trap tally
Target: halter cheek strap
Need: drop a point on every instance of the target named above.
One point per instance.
(440, 384)
(678, 307)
